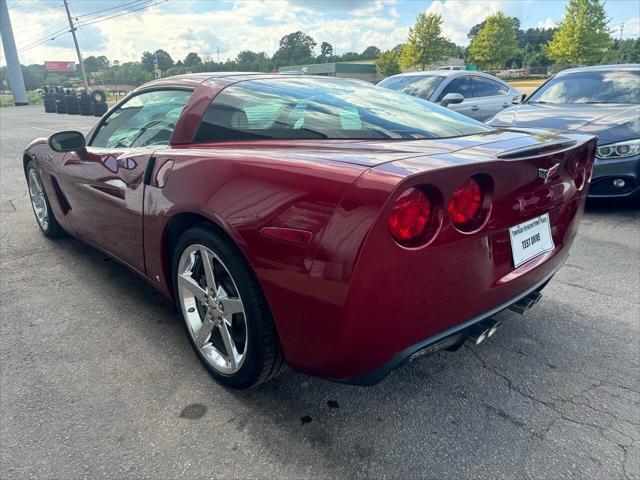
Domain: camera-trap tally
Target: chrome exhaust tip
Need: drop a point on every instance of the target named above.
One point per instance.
(483, 330)
(526, 303)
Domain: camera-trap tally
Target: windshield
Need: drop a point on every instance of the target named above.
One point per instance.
(308, 108)
(420, 86)
(591, 87)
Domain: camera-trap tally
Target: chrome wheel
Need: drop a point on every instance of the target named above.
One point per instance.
(38, 199)
(212, 309)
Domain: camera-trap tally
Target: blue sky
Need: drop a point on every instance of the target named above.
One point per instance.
(229, 26)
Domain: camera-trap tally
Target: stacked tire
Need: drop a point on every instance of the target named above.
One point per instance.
(49, 99)
(99, 103)
(61, 105)
(71, 99)
(86, 107)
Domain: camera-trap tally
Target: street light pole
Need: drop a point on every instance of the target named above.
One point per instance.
(75, 41)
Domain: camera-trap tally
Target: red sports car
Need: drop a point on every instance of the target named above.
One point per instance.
(324, 223)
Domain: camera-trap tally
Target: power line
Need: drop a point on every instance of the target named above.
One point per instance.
(52, 36)
(107, 9)
(106, 16)
(123, 13)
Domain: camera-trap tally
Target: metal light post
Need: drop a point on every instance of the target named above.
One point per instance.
(75, 41)
(16, 82)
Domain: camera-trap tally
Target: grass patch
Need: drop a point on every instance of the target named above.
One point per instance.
(33, 97)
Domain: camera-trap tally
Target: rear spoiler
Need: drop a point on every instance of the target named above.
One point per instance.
(538, 150)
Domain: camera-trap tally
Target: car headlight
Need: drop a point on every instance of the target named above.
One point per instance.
(628, 148)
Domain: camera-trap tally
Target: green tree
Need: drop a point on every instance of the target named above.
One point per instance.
(495, 43)
(583, 36)
(295, 48)
(370, 53)
(192, 60)
(425, 44)
(326, 49)
(252, 61)
(387, 63)
(165, 62)
(96, 64)
(623, 51)
(473, 33)
(34, 76)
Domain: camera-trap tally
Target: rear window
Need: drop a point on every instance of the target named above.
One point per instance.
(312, 108)
(421, 86)
(591, 87)
(485, 87)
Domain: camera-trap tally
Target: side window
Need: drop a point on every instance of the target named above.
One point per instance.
(485, 87)
(461, 85)
(146, 119)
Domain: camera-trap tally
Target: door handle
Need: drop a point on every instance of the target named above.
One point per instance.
(475, 108)
(505, 105)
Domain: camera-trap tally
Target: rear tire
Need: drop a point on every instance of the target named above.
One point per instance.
(41, 204)
(229, 324)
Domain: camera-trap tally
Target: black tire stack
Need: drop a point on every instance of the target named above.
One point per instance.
(61, 105)
(49, 99)
(60, 100)
(86, 107)
(71, 99)
(99, 103)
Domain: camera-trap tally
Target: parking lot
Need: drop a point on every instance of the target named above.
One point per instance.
(97, 378)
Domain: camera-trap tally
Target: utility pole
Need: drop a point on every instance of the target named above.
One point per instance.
(16, 82)
(621, 30)
(75, 41)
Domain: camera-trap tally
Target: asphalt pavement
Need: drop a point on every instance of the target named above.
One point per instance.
(98, 381)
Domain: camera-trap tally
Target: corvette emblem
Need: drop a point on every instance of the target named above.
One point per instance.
(547, 173)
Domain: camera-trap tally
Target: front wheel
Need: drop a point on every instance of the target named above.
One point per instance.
(225, 313)
(41, 205)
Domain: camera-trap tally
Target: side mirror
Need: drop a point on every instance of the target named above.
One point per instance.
(519, 99)
(452, 99)
(69, 141)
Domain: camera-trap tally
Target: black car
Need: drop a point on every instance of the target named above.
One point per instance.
(603, 101)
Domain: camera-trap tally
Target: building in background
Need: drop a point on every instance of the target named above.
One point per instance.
(361, 70)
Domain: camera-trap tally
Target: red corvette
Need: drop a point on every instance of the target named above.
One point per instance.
(324, 223)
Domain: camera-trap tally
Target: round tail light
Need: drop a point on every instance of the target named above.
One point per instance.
(410, 216)
(466, 204)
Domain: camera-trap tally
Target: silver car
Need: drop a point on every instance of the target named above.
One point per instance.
(474, 94)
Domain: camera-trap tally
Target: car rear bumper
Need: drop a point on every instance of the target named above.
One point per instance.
(606, 172)
(453, 336)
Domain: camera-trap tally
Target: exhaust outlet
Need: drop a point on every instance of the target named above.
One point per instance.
(483, 330)
(526, 303)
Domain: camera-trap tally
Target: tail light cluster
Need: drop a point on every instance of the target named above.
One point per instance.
(410, 215)
(416, 215)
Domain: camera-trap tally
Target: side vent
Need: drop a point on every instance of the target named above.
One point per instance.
(62, 199)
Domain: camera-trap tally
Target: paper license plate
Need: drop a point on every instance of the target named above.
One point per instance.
(530, 239)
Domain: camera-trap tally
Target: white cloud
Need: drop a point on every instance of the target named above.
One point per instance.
(548, 23)
(244, 25)
(459, 16)
(631, 28)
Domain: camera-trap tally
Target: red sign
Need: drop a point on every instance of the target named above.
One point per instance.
(63, 67)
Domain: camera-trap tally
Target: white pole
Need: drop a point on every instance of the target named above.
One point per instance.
(16, 82)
